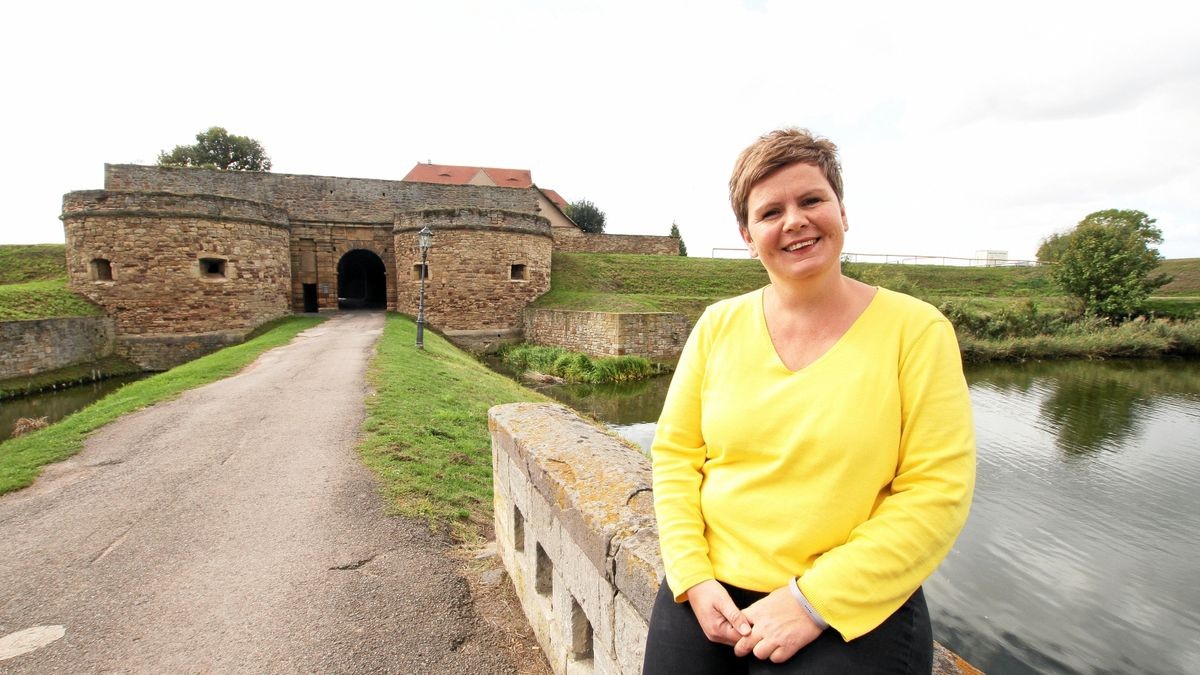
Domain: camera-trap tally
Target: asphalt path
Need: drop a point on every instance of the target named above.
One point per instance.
(233, 530)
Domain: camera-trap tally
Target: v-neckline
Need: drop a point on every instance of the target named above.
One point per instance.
(761, 309)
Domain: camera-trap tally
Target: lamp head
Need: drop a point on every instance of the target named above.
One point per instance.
(425, 238)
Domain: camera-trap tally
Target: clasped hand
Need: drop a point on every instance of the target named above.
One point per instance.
(774, 628)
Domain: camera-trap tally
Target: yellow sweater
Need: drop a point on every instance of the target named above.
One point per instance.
(854, 473)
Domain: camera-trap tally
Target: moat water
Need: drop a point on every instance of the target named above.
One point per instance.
(1080, 555)
(56, 404)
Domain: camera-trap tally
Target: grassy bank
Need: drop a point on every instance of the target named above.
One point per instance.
(426, 432)
(33, 284)
(20, 263)
(613, 282)
(637, 283)
(21, 458)
(1132, 340)
(46, 299)
(1000, 312)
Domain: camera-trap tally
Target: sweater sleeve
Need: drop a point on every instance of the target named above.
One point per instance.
(678, 454)
(857, 585)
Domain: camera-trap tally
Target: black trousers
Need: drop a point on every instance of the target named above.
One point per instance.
(676, 644)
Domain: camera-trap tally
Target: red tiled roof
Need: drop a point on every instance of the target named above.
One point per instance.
(462, 175)
(554, 197)
(519, 178)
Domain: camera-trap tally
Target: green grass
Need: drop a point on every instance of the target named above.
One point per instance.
(1134, 339)
(32, 262)
(603, 282)
(610, 282)
(1186, 281)
(1174, 307)
(33, 284)
(47, 299)
(21, 458)
(426, 431)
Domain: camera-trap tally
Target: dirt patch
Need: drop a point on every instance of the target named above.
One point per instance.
(501, 623)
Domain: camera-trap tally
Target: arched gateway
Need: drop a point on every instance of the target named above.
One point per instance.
(362, 281)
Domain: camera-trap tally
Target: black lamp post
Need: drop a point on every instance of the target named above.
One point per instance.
(424, 241)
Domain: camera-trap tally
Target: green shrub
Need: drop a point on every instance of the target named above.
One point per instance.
(1025, 320)
(577, 367)
(526, 357)
(622, 369)
(574, 367)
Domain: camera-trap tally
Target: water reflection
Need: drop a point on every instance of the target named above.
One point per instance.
(1093, 405)
(616, 404)
(57, 404)
(1079, 554)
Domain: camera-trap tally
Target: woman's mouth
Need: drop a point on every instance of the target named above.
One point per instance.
(800, 245)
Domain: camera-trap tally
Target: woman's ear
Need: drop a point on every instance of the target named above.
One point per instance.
(845, 220)
(745, 232)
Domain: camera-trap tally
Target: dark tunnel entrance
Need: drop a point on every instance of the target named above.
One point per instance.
(362, 281)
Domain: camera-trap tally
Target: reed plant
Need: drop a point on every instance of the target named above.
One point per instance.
(578, 367)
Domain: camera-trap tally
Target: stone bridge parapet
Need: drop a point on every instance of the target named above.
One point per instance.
(575, 529)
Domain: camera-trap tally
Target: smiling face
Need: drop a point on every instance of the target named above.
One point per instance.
(795, 224)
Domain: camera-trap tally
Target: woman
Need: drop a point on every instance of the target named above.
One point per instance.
(815, 456)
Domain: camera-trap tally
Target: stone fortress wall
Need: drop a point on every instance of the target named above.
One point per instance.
(504, 254)
(188, 260)
(168, 267)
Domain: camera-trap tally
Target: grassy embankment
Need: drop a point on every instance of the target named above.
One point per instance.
(1000, 312)
(21, 458)
(33, 285)
(426, 432)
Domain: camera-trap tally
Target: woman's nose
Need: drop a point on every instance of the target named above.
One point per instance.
(793, 219)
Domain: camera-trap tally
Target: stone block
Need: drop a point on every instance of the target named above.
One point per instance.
(588, 588)
(631, 629)
(543, 526)
(638, 570)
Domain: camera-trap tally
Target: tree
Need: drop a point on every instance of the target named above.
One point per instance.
(586, 216)
(215, 148)
(1051, 248)
(676, 235)
(1107, 262)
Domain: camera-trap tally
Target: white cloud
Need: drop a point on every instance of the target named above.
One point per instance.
(961, 128)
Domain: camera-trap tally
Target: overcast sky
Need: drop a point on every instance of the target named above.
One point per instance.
(960, 128)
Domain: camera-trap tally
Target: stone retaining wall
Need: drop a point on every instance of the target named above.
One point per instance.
(654, 335)
(576, 241)
(32, 347)
(574, 520)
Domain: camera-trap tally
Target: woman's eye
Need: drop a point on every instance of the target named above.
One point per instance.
(811, 201)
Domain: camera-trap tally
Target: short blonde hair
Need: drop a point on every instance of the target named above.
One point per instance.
(773, 151)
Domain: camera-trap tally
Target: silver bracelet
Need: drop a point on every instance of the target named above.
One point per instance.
(794, 587)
